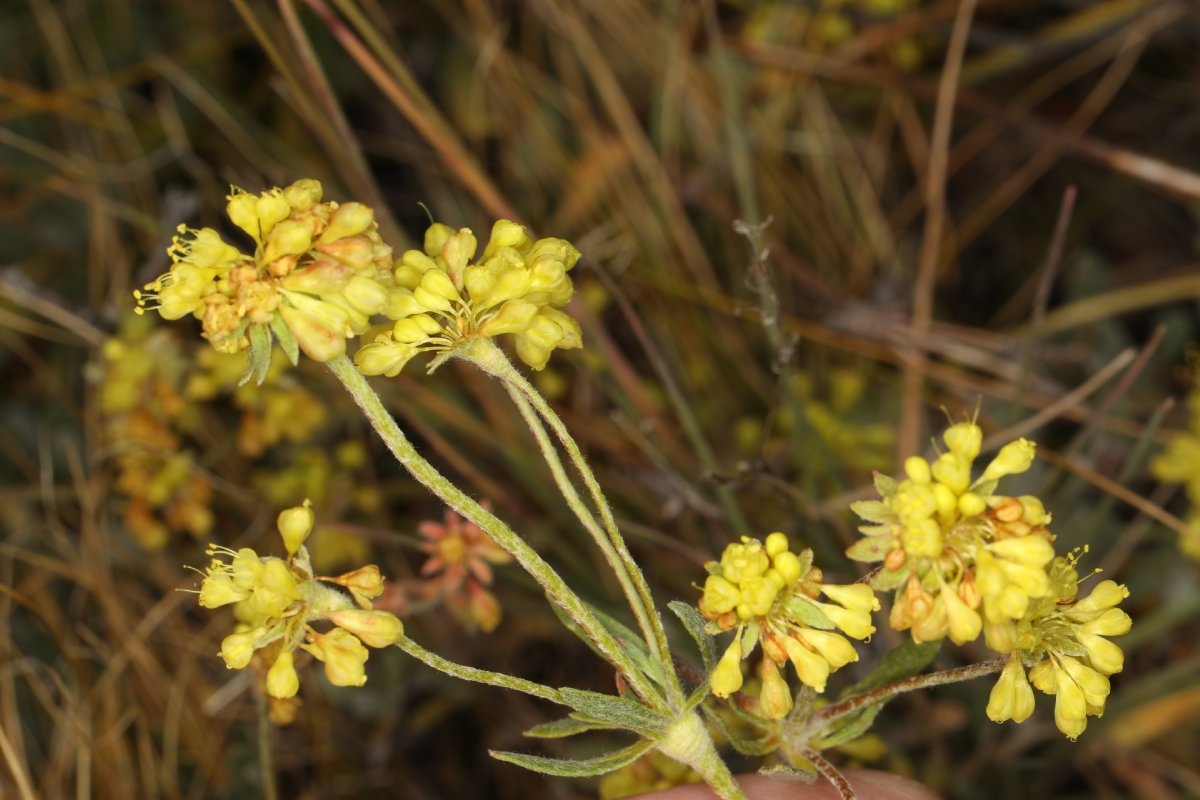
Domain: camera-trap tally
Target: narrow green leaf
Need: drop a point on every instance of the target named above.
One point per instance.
(287, 339)
(886, 485)
(632, 644)
(695, 624)
(806, 611)
(258, 357)
(561, 728)
(849, 727)
(577, 768)
(905, 661)
(614, 712)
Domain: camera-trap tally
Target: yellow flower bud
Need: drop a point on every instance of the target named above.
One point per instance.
(1011, 697)
(964, 440)
(853, 622)
(271, 208)
(1033, 551)
(855, 596)
(953, 471)
(344, 657)
(320, 277)
(242, 210)
(282, 680)
(811, 669)
(971, 504)
(289, 238)
(375, 628)
(946, 500)
(350, 219)
(775, 543)
(775, 700)
(238, 648)
(720, 597)
(757, 596)
(515, 316)
(833, 647)
(1014, 458)
(505, 233)
(303, 194)
(1034, 513)
(727, 675)
(787, 564)
(365, 583)
(295, 524)
(367, 296)
(416, 329)
(1104, 656)
(963, 623)
(1106, 595)
(384, 356)
(457, 252)
(917, 470)
(320, 328)
(436, 292)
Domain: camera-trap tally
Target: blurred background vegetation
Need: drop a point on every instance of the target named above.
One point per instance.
(811, 230)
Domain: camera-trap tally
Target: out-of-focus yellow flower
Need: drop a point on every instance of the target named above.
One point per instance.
(516, 287)
(1179, 462)
(318, 272)
(765, 592)
(279, 601)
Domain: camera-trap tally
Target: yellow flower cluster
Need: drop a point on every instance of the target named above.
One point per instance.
(139, 389)
(1062, 642)
(517, 287)
(1179, 462)
(318, 272)
(276, 602)
(766, 592)
(962, 558)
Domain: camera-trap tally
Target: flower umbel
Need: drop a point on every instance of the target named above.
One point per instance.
(766, 593)
(1063, 642)
(517, 286)
(318, 272)
(963, 559)
(277, 601)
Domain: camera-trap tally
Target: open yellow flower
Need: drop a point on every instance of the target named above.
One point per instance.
(516, 287)
(317, 273)
(765, 592)
(279, 601)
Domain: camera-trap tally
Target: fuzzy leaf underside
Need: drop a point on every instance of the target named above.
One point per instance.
(561, 728)
(694, 623)
(577, 768)
(614, 712)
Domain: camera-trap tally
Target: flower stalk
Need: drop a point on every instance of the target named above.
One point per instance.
(484, 354)
(556, 589)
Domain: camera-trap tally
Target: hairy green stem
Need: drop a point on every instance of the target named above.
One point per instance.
(266, 755)
(478, 675)
(555, 587)
(689, 742)
(890, 690)
(488, 357)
